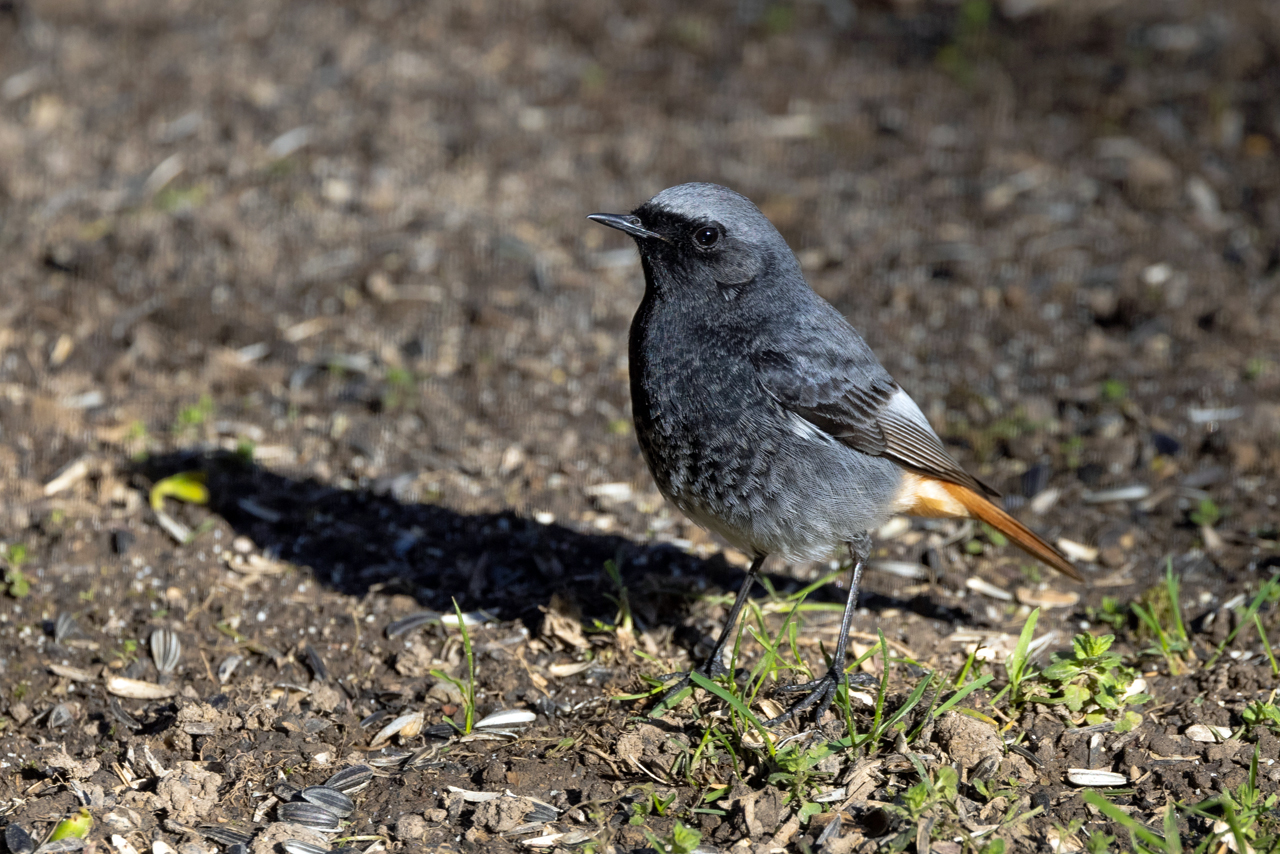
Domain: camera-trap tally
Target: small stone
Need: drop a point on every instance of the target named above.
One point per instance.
(412, 828)
(190, 792)
(336, 191)
(1116, 544)
(502, 814)
(1151, 180)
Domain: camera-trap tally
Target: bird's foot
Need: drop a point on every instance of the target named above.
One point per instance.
(821, 692)
(713, 668)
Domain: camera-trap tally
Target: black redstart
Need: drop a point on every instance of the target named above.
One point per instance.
(763, 414)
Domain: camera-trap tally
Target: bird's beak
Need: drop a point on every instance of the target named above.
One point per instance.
(625, 222)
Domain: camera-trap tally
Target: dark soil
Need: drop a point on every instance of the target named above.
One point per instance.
(333, 256)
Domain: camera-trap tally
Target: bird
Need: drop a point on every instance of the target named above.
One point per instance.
(766, 418)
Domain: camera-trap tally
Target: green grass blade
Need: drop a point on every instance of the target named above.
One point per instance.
(951, 702)
(803, 593)
(961, 694)
(1016, 664)
(1172, 841)
(734, 703)
(1266, 646)
(668, 703)
(469, 692)
(1122, 818)
(968, 665)
(1267, 591)
(912, 700)
(874, 735)
(1174, 586)
(1237, 832)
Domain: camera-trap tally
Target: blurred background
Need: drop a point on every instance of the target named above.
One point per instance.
(352, 234)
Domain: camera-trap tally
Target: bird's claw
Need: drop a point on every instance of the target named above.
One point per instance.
(821, 691)
(713, 668)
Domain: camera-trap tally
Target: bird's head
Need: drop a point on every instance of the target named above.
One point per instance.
(703, 240)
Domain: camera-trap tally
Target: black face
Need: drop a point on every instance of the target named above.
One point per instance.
(687, 254)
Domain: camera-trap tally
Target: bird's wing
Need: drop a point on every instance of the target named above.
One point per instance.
(852, 398)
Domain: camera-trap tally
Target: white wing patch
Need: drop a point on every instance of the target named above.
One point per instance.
(805, 429)
(911, 439)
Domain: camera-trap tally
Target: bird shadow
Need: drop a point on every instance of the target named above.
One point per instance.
(370, 540)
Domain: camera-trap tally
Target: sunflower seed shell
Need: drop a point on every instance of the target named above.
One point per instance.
(406, 725)
(18, 840)
(505, 718)
(1091, 777)
(1207, 733)
(75, 674)
(351, 779)
(226, 835)
(333, 800)
(137, 689)
(166, 650)
(308, 815)
(228, 667)
(297, 846)
(63, 627)
(411, 622)
(60, 715)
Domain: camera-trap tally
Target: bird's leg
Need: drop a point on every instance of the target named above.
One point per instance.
(823, 689)
(714, 665)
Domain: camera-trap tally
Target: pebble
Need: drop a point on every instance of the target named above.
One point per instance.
(289, 142)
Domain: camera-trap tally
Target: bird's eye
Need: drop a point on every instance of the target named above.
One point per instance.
(706, 237)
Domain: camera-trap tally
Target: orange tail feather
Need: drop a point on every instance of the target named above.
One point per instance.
(984, 511)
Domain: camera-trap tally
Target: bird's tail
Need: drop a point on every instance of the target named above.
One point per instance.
(983, 510)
